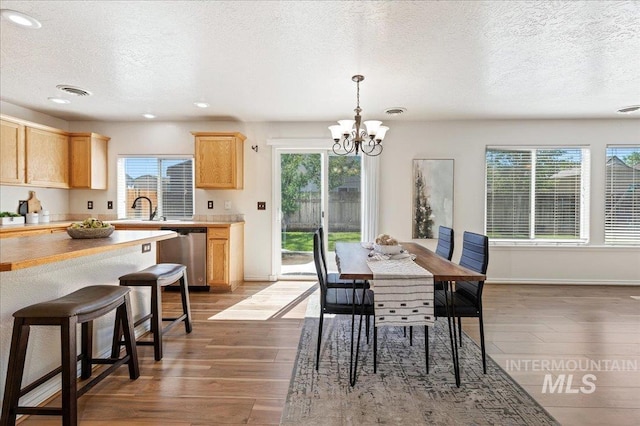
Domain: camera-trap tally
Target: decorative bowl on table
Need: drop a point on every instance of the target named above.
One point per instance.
(386, 244)
(386, 249)
(90, 228)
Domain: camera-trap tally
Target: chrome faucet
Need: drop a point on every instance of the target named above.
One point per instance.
(152, 212)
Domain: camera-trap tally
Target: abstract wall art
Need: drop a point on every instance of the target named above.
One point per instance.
(432, 197)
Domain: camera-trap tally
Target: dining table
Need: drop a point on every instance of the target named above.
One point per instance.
(352, 261)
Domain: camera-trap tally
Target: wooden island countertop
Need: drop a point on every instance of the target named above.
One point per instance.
(25, 252)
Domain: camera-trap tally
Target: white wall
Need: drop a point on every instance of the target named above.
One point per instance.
(37, 117)
(154, 137)
(463, 141)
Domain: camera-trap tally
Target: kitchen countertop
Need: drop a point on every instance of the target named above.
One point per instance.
(28, 251)
(28, 226)
(8, 230)
(170, 223)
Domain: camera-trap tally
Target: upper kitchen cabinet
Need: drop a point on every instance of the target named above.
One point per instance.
(219, 160)
(12, 163)
(47, 157)
(89, 160)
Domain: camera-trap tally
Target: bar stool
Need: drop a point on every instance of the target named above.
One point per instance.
(80, 307)
(156, 277)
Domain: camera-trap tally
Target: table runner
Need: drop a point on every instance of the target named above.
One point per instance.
(403, 292)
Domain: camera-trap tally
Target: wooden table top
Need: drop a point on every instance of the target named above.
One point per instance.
(352, 263)
(29, 251)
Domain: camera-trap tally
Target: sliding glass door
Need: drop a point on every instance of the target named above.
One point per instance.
(301, 207)
(343, 221)
(315, 188)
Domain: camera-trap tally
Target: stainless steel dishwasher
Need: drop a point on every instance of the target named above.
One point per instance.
(189, 248)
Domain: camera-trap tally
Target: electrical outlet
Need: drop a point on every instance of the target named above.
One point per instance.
(262, 205)
(210, 204)
(227, 205)
(146, 247)
(110, 205)
(90, 205)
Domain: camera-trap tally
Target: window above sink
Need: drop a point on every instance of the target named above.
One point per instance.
(167, 181)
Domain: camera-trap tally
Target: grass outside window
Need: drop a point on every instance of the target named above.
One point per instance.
(303, 241)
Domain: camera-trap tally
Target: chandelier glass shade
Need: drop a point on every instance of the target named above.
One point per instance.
(350, 135)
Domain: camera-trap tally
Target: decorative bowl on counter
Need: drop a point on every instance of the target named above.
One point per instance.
(90, 228)
(80, 233)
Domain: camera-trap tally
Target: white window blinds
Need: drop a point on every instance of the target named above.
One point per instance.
(508, 193)
(537, 193)
(622, 195)
(167, 182)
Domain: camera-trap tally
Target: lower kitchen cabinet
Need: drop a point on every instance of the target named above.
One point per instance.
(225, 257)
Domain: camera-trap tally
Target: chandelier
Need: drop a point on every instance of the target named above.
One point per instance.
(350, 136)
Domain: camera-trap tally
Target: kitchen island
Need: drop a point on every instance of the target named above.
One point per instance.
(24, 252)
(44, 267)
(224, 244)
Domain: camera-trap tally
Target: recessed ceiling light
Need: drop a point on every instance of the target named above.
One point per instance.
(20, 18)
(395, 110)
(148, 115)
(201, 104)
(59, 100)
(629, 109)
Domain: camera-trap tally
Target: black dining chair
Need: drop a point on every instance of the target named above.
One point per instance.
(445, 242)
(444, 248)
(340, 300)
(466, 299)
(333, 278)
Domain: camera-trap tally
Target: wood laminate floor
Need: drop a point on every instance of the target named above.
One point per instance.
(235, 367)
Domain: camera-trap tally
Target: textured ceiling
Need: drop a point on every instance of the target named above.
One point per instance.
(293, 61)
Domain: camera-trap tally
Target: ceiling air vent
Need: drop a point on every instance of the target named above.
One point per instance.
(72, 90)
(395, 111)
(629, 109)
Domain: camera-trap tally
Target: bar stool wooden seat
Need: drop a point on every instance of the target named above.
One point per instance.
(156, 277)
(80, 307)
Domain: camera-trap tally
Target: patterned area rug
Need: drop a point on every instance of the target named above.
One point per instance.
(401, 393)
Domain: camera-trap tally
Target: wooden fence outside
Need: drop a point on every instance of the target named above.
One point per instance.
(344, 213)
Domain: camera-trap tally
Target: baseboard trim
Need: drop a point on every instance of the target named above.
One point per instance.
(563, 282)
(538, 281)
(270, 278)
